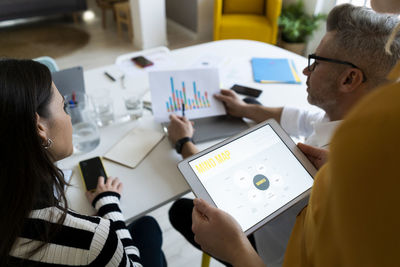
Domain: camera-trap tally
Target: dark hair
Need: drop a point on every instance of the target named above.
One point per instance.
(28, 175)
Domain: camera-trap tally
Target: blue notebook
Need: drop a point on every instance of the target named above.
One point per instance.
(274, 70)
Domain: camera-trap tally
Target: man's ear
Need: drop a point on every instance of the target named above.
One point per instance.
(41, 128)
(350, 80)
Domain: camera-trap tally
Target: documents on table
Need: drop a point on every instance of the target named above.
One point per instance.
(193, 88)
(134, 147)
(274, 70)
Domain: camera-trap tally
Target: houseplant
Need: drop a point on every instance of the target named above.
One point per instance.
(296, 26)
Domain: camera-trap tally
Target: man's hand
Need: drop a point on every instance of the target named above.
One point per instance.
(179, 127)
(112, 185)
(220, 235)
(317, 156)
(233, 104)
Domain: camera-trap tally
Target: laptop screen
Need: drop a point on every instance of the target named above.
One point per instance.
(69, 80)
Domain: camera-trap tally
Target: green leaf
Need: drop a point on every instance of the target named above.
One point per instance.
(296, 25)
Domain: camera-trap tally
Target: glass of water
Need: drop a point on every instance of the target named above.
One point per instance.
(103, 106)
(85, 134)
(133, 104)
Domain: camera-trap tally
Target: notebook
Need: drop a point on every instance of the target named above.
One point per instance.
(134, 147)
(274, 70)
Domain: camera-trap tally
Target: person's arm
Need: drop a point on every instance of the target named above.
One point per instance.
(238, 108)
(259, 113)
(106, 199)
(178, 128)
(300, 122)
(189, 149)
(220, 235)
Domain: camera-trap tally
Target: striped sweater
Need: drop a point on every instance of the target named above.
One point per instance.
(81, 240)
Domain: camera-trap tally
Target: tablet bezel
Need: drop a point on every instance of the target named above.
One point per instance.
(200, 191)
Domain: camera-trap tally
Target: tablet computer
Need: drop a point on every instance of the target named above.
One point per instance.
(254, 176)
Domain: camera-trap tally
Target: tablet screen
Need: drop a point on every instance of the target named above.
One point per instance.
(253, 176)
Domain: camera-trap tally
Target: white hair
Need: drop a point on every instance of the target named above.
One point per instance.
(361, 36)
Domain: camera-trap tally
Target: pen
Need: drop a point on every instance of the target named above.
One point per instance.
(74, 102)
(183, 110)
(109, 76)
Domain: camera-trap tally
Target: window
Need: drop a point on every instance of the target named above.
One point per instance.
(366, 3)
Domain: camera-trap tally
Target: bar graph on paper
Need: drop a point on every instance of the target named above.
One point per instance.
(180, 97)
(192, 89)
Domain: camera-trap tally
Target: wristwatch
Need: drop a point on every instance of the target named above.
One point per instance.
(179, 144)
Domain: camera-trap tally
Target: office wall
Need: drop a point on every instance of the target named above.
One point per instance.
(195, 15)
(183, 12)
(205, 19)
(310, 5)
(149, 23)
(319, 6)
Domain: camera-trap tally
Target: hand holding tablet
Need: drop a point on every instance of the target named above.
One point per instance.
(217, 232)
(253, 176)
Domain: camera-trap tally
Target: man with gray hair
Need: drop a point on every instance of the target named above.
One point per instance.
(349, 62)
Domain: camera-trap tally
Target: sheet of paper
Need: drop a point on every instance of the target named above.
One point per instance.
(193, 89)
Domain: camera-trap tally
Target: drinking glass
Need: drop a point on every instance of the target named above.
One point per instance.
(85, 134)
(103, 106)
(133, 104)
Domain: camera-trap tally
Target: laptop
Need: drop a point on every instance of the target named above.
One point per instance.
(216, 127)
(69, 80)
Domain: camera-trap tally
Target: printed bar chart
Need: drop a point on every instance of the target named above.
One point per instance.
(193, 89)
(179, 97)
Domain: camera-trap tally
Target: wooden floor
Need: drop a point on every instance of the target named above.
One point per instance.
(104, 46)
(178, 251)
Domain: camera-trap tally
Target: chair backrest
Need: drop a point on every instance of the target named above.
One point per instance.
(256, 7)
(49, 62)
(123, 11)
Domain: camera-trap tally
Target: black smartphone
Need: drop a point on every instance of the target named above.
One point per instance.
(243, 90)
(91, 169)
(141, 61)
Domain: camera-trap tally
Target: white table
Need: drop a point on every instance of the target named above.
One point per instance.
(156, 180)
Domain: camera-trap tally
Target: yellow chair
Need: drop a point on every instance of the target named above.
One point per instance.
(247, 19)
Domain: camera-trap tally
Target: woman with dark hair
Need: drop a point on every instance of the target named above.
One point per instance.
(36, 226)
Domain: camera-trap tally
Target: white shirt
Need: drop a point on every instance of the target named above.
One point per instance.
(315, 127)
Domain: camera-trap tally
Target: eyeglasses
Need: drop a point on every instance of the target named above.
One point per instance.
(312, 63)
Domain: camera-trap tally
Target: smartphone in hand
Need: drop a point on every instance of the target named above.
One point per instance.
(142, 62)
(91, 169)
(243, 90)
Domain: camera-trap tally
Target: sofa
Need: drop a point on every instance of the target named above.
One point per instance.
(16, 9)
